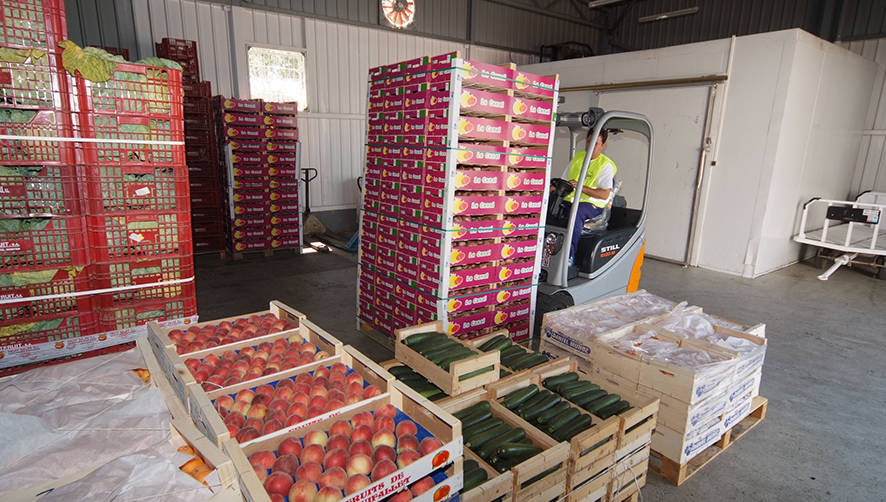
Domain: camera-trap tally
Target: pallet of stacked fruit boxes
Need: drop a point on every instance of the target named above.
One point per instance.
(283, 149)
(135, 187)
(200, 148)
(43, 249)
(457, 169)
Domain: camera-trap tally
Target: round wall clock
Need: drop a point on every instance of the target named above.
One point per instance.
(399, 13)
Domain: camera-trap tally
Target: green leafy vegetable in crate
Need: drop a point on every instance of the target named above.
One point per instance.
(93, 64)
(19, 279)
(23, 225)
(29, 327)
(17, 116)
(12, 55)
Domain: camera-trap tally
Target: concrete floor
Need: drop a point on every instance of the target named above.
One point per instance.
(824, 375)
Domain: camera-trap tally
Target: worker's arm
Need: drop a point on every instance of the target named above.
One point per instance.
(597, 193)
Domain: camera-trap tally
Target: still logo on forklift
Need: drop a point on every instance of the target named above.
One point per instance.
(609, 250)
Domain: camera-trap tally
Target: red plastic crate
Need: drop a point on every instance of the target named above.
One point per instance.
(197, 106)
(45, 123)
(197, 89)
(114, 188)
(29, 24)
(199, 122)
(118, 312)
(134, 89)
(132, 127)
(207, 226)
(206, 198)
(50, 328)
(141, 272)
(200, 138)
(209, 243)
(48, 189)
(203, 170)
(28, 244)
(24, 285)
(37, 84)
(136, 235)
(83, 355)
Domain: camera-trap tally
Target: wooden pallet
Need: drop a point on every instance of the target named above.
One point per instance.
(377, 336)
(677, 474)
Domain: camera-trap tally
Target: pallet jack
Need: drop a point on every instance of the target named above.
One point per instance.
(610, 252)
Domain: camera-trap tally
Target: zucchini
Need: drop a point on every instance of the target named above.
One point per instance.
(552, 412)
(478, 440)
(580, 424)
(534, 360)
(470, 464)
(562, 420)
(550, 382)
(420, 337)
(517, 451)
(488, 344)
(501, 345)
(449, 353)
(474, 373)
(433, 348)
(537, 398)
(428, 345)
(589, 397)
(485, 425)
(536, 478)
(613, 409)
(475, 418)
(482, 405)
(515, 363)
(514, 356)
(603, 402)
(511, 351)
(572, 386)
(503, 373)
(531, 413)
(439, 353)
(474, 477)
(514, 399)
(577, 392)
(447, 361)
(488, 450)
(399, 371)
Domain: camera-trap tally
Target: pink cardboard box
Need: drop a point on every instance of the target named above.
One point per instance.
(531, 109)
(250, 233)
(248, 221)
(414, 177)
(443, 60)
(393, 127)
(415, 125)
(282, 206)
(519, 330)
(280, 121)
(407, 271)
(251, 184)
(512, 313)
(413, 153)
(250, 171)
(390, 175)
(281, 108)
(478, 205)
(246, 209)
(242, 119)
(281, 134)
(281, 147)
(410, 200)
(244, 132)
(435, 175)
(250, 245)
(240, 105)
(389, 209)
(249, 158)
(484, 102)
(247, 196)
(283, 193)
(284, 231)
(481, 155)
(281, 158)
(251, 146)
(516, 271)
(484, 129)
(511, 227)
(535, 85)
(371, 192)
(473, 277)
(524, 181)
(438, 126)
(407, 139)
(284, 219)
(485, 75)
(469, 179)
(533, 134)
(472, 322)
(283, 171)
(523, 204)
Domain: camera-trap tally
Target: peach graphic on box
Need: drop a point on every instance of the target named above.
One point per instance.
(505, 274)
(465, 127)
(459, 206)
(454, 328)
(453, 305)
(513, 181)
(462, 180)
(507, 251)
(466, 72)
(464, 156)
(503, 296)
(511, 205)
(454, 280)
(457, 256)
(467, 99)
(500, 317)
(519, 107)
(458, 231)
(518, 133)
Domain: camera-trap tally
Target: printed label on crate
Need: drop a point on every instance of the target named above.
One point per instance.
(280, 121)
(284, 207)
(248, 158)
(528, 158)
(244, 132)
(284, 231)
(470, 277)
(478, 205)
(481, 155)
(250, 233)
(283, 171)
(480, 128)
(483, 74)
(241, 105)
(535, 134)
(250, 183)
(472, 322)
(413, 177)
(466, 179)
(411, 200)
(492, 103)
(281, 134)
(524, 181)
(248, 170)
(516, 227)
(532, 109)
(286, 242)
(283, 195)
(251, 221)
(282, 108)
(133, 190)
(250, 209)
(413, 153)
(281, 158)
(242, 119)
(435, 175)
(534, 84)
(516, 271)
(519, 330)
(512, 313)
(522, 204)
(406, 271)
(250, 245)
(249, 196)
(247, 145)
(416, 126)
(281, 147)
(438, 126)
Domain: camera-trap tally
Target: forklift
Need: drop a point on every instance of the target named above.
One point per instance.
(611, 248)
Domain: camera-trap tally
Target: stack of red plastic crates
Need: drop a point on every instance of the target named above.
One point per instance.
(259, 142)
(200, 149)
(79, 215)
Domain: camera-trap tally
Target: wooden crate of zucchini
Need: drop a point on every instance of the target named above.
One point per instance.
(447, 362)
(514, 357)
(503, 444)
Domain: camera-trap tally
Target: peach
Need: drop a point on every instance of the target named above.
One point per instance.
(262, 399)
(245, 396)
(315, 412)
(285, 384)
(318, 390)
(286, 463)
(407, 457)
(247, 434)
(255, 423)
(336, 378)
(271, 426)
(321, 355)
(335, 476)
(253, 373)
(276, 497)
(303, 491)
(338, 441)
(234, 379)
(387, 410)
(284, 393)
(309, 347)
(278, 404)
(313, 453)
(317, 402)
(309, 471)
(257, 411)
(300, 398)
(303, 388)
(335, 458)
(321, 373)
(355, 388)
(320, 382)
(382, 423)
(304, 378)
(277, 415)
(363, 418)
(289, 446)
(407, 442)
(341, 427)
(428, 445)
(407, 427)
(201, 376)
(384, 452)
(207, 368)
(235, 418)
(360, 448)
(334, 404)
(278, 482)
(316, 437)
(329, 494)
(293, 419)
(261, 472)
(335, 394)
(403, 496)
(362, 433)
(232, 429)
(356, 483)
(305, 358)
(192, 364)
(359, 464)
(354, 378)
(371, 391)
(383, 469)
(422, 485)
(338, 368)
(353, 398)
(383, 437)
(264, 458)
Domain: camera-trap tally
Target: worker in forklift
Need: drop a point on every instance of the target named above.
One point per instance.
(596, 190)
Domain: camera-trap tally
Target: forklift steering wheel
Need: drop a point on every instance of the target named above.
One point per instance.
(562, 187)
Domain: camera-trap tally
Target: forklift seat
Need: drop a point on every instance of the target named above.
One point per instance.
(601, 221)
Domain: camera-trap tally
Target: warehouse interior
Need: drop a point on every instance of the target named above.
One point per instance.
(218, 217)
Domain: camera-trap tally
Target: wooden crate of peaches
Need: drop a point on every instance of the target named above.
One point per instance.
(396, 446)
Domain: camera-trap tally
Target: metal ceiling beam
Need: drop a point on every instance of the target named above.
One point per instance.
(541, 12)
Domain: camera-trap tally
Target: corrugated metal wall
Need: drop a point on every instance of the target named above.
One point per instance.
(870, 170)
(338, 57)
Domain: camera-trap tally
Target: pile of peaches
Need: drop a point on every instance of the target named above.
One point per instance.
(324, 467)
(249, 414)
(199, 338)
(235, 366)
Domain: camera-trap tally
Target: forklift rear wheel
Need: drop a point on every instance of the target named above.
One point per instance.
(548, 303)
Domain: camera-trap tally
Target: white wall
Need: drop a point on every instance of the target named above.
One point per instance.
(870, 171)
(338, 58)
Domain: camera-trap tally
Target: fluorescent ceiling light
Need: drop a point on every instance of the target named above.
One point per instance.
(668, 15)
(601, 3)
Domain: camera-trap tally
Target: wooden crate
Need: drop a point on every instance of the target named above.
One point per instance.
(629, 475)
(448, 381)
(158, 379)
(480, 340)
(207, 451)
(435, 420)
(390, 363)
(678, 473)
(210, 421)
(547, 488)
(499, 485)
(591, 452)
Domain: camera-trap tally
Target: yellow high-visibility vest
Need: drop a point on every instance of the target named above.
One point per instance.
(594, 169)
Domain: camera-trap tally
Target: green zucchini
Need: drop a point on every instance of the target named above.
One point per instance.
(488, 450)
(536, 478)
(474, 373)
(589, 397)
(478, 440)
(552, 412)
(603, 402)
(420, 337)
(572, 386)
(488, 344)
(514, 357)
(448, 354)
(428, 345)
(613, 409)
(537, 398)
(481, 406)
(399, 371)
(550, 382)
(511, 351)
(435, 348)
(501, 345)
(447, 361)
(577, 392)
(503, 373)
(485, 425)
(515, 363)
(562, 420)
(517, 451)
(475, 418)
(534, 360)
(578, 425)
(474, 477)
(470, 464)
(516, 398)
(531, 413)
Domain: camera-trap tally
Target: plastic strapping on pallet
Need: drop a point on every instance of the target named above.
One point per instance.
(89, 140)
(98, 291)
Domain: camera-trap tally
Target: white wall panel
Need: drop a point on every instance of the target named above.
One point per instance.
(870, 169)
